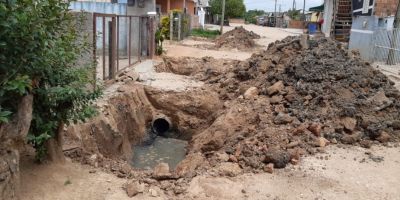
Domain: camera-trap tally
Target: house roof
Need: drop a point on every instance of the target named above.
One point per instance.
(317, 8)
(203, 3)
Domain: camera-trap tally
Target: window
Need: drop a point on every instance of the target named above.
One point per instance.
(131, 2)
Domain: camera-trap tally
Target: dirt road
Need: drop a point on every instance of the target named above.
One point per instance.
(268, 35)
(342, 172)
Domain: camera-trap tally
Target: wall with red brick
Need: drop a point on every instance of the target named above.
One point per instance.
(164, 5)
(384, 8)
(176, 5)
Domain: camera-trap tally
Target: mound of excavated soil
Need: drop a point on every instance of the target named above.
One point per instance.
(287, 101)
(238, 38)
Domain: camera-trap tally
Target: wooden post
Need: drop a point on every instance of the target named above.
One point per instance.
(168, 5)
(112, 31)
(179, 26)
(171, 26)
(94, 52)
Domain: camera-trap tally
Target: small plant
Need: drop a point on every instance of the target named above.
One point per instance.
(164, 30)
(159, 40)
(205, 33)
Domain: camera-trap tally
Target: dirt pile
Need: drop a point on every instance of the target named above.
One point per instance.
(238, 38)
(287, 101)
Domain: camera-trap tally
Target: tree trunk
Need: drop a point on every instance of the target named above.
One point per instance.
(54, 146)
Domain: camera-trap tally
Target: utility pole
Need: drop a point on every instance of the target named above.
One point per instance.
(223, 15)
(275, 14)
(393, 44)
(304, 8)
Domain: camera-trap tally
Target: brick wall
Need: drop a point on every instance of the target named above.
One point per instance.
(384, 8)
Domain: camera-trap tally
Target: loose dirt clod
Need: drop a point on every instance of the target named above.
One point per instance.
(239, 38)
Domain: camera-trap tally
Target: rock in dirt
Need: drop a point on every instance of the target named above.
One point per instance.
(351, 139)
(315, 128)
(250, 93)
(276, 99)
(229, 169)
(279, 158)
(275, 88)
(384, 137)
(349, 123)
(222, 156)
(283, 118)
(188, 166)
(396, 124)
(269, 168)
(321, 142)
(133, 188)
(161, 171)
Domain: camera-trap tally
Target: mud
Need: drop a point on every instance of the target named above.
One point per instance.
(238, 38)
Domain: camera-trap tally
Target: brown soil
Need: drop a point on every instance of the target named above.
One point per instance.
(238, 38)
(286, 102)
(250, 116)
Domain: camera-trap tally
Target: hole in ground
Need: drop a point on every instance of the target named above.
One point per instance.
(157, 148)
(161, 126)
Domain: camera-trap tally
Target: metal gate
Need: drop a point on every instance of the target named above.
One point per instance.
(387, 46)
(120, 41)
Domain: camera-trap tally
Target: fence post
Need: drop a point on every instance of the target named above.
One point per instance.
(95, 63)
(179, 26)
(111, 48)
(171, 26)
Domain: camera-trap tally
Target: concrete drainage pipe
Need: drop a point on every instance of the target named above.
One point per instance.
(161, 124)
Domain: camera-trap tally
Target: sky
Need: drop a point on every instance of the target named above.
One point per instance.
(269, 5)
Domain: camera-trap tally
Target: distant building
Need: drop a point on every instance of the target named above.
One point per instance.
(369, 18)
(121, 7)
(344, 17)
(165, 6)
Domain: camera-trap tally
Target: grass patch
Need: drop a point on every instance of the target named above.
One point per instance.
(204, 33)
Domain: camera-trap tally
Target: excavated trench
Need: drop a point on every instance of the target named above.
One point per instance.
(249, 116)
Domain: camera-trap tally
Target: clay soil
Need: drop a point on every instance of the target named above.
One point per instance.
(286, 102)
(286, 123)
(238, 38)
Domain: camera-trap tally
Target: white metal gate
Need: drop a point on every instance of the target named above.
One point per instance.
(387, 46)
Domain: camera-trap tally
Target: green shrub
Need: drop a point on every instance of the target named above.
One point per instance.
(40, 46)
(205, 33)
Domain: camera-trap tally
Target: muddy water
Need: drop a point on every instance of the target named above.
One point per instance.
(161, 149)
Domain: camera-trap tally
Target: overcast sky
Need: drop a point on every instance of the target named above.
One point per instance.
(269, 5)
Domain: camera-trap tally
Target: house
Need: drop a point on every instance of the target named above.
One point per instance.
(121, 7)
(372, 24)
(164, 7)
(124, 31)
(343, 17)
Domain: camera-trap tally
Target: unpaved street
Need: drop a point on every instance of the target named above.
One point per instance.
(268, 35)
(331, 171)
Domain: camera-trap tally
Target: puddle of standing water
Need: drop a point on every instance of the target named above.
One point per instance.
(162, 149)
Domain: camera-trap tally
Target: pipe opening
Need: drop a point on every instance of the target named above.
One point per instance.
(161, 126)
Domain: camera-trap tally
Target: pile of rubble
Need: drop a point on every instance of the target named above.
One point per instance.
(288, 101)
(238, 38)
